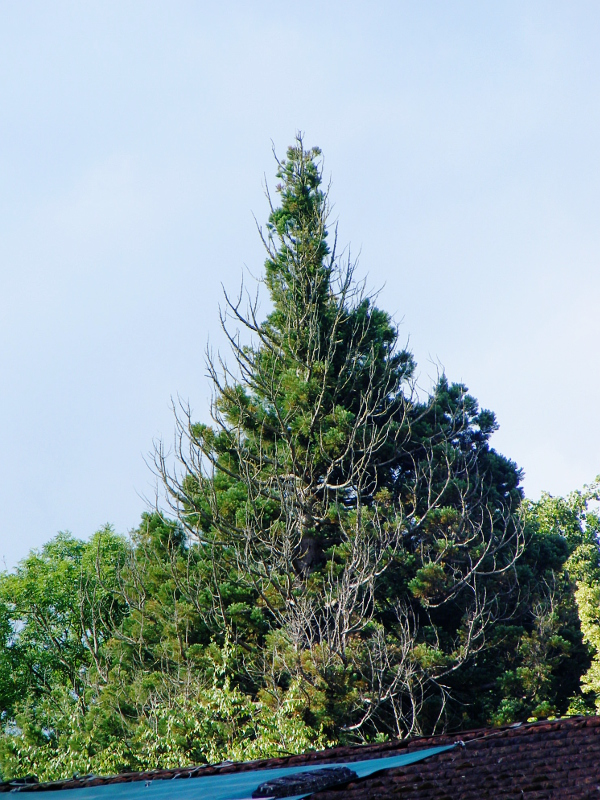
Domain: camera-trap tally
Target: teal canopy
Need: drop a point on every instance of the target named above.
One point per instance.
(232, 786)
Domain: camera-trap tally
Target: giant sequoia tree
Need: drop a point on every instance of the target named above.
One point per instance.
(374, 534)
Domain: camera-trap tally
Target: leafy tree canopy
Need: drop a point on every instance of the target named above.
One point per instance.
(346, 559)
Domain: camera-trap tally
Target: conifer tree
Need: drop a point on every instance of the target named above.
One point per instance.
(349, 560)
(374, 534)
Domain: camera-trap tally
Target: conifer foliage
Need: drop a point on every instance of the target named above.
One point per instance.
(375, 534)
(345, 560)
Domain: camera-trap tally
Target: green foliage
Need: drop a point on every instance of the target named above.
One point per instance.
(57, 613)
(347, 560)
(209, 725)
(375, 533)
(548, 672)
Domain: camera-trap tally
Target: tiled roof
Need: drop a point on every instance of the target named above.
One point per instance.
(558, 760)
(551, 759)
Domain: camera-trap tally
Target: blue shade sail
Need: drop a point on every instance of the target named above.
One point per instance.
(232, 786)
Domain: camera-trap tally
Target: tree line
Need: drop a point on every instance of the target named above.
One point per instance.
(341, 559)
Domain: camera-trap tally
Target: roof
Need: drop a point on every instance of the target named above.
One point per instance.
(549, 759)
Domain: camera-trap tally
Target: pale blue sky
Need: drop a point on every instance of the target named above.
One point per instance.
(463, 143)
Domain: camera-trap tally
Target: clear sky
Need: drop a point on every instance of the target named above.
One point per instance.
(463, 143)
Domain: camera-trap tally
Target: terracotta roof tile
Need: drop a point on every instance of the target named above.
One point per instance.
(550, 759)
(559, 759)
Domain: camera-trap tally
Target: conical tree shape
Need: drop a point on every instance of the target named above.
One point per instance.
(356, 517)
